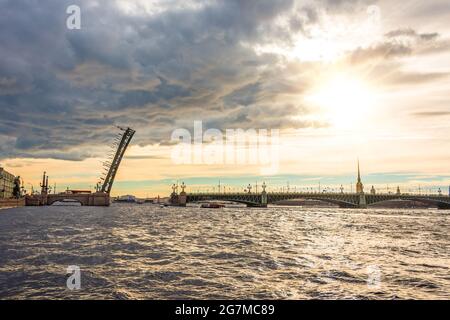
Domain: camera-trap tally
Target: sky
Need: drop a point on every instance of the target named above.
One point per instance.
(340, 81)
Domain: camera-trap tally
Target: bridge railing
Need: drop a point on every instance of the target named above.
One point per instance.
(315, 193)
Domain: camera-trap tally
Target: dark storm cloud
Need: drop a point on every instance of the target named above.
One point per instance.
(245, 96)
(62, 90)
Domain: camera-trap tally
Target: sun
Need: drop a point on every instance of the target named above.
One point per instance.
(343, 100)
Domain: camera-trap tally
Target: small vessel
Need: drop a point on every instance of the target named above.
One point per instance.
(212, 205)
(126, 199)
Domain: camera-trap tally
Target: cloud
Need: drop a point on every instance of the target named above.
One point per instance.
(143, 157)
(435, 113)
(408, 32)
(243, 96)
(380, 51)
(399, 43)
(155, 67)
(346, 5)
(411, 78)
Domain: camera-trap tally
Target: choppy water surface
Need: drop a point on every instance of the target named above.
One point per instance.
(139, 252)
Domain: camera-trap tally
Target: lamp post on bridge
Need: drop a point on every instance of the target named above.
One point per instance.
(264, 195)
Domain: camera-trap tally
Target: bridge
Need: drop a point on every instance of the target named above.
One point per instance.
(343, 200)
(96, 199)
(102, 195)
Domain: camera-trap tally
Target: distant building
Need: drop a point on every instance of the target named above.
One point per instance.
(6, 184)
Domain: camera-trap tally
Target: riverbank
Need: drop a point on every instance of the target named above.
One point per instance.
(12, 203)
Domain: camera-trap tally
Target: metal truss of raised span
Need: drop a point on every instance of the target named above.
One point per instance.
(113, 166)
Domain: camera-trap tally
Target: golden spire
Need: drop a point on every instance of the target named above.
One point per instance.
(359, 185)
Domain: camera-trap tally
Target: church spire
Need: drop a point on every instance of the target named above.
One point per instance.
(359, 185)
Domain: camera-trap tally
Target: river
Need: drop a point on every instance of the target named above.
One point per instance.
(148, 252)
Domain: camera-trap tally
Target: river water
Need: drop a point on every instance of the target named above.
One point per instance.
(147, 252)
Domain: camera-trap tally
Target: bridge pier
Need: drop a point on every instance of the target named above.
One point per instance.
(262, 201)
(178, 200)
(362, 202)
(182, 199)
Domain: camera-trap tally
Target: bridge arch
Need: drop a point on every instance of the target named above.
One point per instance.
(229, 201)
(430, 201)
(242, 200)
(439, 203)
(341, 201)
(434, 201)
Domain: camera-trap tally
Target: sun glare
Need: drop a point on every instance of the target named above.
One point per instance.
(343, 100)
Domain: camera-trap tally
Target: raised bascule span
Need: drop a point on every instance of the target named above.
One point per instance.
(102, 195)
(113, 166)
